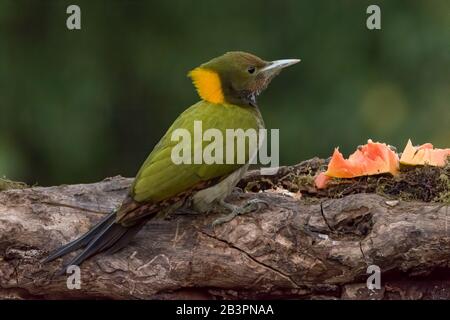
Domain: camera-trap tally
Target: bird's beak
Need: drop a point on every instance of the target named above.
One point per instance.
(277, 65)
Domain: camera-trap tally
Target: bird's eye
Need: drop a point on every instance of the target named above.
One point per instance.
(251, 70)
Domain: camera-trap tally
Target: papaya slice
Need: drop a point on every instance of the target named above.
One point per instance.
(425, 154)
(370, 159)
(321, 180)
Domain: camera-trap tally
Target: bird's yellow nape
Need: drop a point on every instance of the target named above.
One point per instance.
(208, 85)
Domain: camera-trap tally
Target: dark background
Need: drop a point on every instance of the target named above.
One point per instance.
(77, 106)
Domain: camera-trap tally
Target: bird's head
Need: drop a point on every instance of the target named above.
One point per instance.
(236, 77)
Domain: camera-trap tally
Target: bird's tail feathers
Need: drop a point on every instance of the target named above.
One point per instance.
(105, 235)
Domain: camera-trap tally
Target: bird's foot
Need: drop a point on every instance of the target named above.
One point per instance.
(248, 207)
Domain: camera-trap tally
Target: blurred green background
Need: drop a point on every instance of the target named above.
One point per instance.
(77, 106)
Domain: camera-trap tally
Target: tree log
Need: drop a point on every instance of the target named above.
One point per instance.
(311, 247)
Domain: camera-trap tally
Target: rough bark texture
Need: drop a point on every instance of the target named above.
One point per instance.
(298, 247)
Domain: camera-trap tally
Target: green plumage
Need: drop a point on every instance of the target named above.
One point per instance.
(161, 185)
(160, 178)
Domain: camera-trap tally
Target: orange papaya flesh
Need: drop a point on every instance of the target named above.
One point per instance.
(425, 154)
(370, 159)
(321, 180)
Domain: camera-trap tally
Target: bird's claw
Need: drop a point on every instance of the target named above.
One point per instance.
(224, 219)
(255, 205)
(250, 206)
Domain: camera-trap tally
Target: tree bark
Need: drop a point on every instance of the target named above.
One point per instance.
(298, 247)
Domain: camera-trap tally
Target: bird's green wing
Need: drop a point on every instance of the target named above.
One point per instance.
(160, 178)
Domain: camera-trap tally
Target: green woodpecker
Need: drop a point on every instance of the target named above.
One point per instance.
(228, 87)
